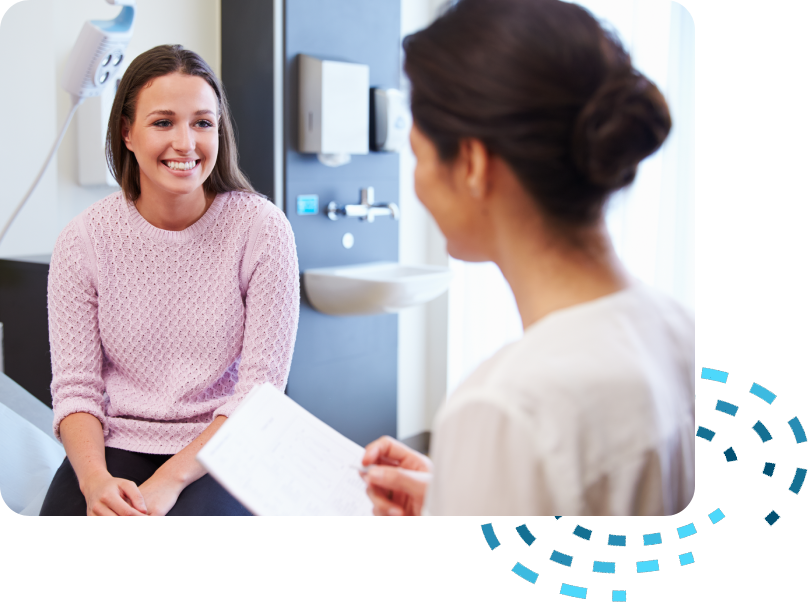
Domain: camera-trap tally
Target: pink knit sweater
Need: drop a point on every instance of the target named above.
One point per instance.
(156, 333)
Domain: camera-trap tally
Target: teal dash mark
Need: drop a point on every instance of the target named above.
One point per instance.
(685, 559)
(603, 567)
(716, 375)
(716, 515)
(490, 537)
(768, 469)
(799, 478)
(525, 534)
(652, 539)
(582, 533)
(617, 540)
(647, 566)
(772, 517)
(525, 573)
(763, 393)
(727, 408)
(799, 432)
(573, 591)
(618, 595)
(730, 454)
(705, 433)
(560, 558)
(762, 431)
(686, 531)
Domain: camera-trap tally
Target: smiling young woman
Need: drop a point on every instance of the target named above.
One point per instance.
(176, 150)
(167, 301)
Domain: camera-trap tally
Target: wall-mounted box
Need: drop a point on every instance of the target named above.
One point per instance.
(391, 121)
(334, 107)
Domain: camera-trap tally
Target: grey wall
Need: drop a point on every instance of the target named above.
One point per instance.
(247, 75)
(344, 369)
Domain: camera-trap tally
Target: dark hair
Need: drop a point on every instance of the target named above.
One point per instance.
(545, 88)
(164, 60)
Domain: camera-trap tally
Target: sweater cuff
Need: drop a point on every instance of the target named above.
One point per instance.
(230, 406)
(236, 400)
(74, 406)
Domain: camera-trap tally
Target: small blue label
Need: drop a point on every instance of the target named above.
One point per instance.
(308, 204)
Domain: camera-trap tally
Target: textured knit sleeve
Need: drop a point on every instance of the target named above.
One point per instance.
(272, 308)
(75, 341)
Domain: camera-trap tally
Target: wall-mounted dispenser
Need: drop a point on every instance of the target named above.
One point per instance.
(334, 109)
(390, 120)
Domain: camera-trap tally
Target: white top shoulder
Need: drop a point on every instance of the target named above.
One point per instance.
(590, 413)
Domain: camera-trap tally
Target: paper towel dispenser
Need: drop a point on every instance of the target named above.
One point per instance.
(334, 109)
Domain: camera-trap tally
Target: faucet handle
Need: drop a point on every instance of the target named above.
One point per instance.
(368, 196)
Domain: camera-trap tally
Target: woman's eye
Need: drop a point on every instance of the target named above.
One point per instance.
(165, 123)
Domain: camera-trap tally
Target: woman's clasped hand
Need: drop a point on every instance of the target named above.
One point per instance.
(108, 496)
(397, 477)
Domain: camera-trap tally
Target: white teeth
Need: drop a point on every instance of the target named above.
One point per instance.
(181, 166)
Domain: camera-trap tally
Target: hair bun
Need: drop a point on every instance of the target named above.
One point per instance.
(625, 121)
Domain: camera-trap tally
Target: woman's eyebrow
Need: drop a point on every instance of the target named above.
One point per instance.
(171, 113)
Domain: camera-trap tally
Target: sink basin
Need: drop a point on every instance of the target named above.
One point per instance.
(373, 288)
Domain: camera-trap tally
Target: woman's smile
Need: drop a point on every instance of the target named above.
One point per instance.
(181, 167)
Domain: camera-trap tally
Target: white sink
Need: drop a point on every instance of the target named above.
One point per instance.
(373, 288)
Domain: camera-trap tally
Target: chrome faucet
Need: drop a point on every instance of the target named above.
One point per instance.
(367, 209)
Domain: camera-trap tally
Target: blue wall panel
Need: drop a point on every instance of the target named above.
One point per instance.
(344, 368)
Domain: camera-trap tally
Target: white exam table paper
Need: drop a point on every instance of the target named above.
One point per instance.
(279, 460)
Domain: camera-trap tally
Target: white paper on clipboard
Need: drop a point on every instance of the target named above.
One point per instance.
(279, 460)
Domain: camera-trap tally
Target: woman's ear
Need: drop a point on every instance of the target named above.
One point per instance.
(126, 128)
(475, 162)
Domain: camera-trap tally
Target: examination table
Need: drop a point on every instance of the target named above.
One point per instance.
(29, 452)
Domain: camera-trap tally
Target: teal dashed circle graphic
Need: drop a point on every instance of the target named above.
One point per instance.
(596, 549)
(759, 428)
(576, 591)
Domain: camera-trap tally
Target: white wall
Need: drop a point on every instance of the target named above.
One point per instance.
(422, 330)
(28, 126)
(35, 39)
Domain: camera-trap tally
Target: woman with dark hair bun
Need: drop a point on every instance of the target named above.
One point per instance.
(527, 116)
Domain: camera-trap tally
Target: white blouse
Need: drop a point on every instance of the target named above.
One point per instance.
(590, 413)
